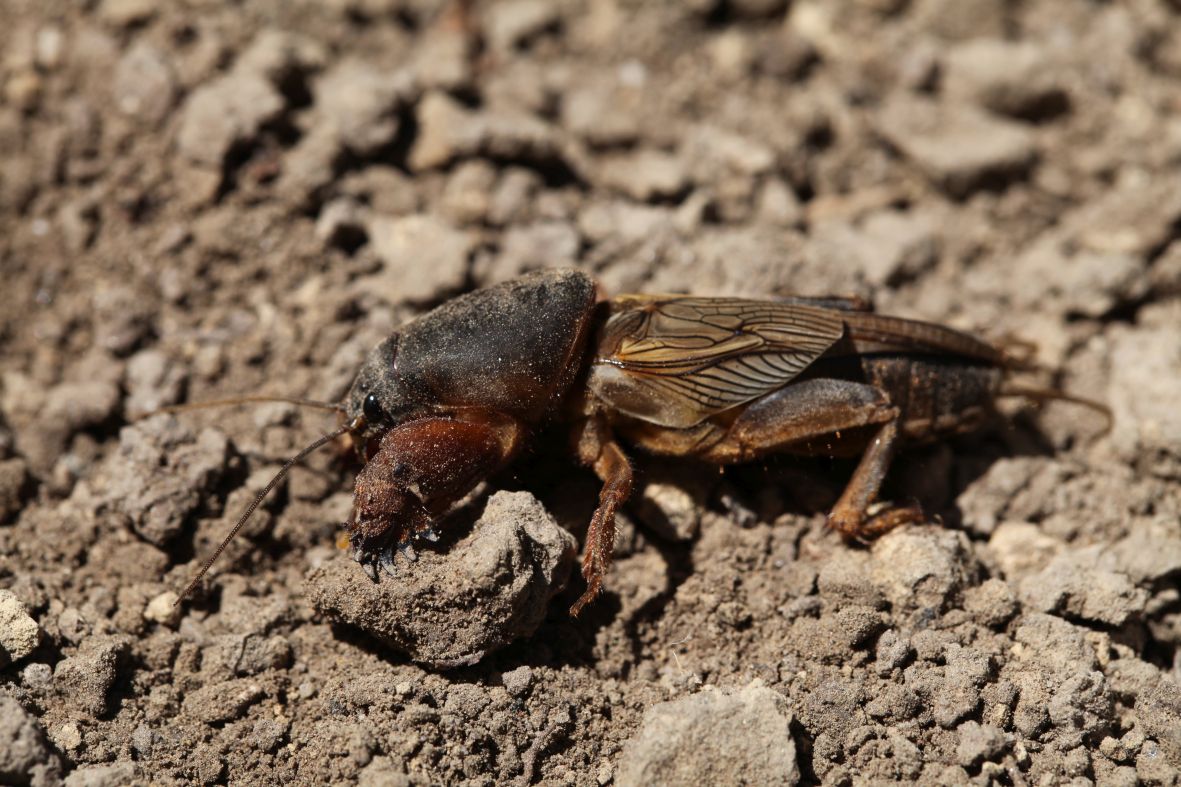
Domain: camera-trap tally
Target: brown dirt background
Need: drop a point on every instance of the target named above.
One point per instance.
(200, 199)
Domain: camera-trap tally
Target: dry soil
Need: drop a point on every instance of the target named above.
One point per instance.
(202, 198)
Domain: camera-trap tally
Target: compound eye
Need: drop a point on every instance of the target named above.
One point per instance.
(372, 409)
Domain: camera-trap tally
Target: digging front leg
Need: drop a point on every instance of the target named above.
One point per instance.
(419, 471)
(598, 448)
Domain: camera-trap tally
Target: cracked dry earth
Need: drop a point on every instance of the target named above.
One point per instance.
(199, 199)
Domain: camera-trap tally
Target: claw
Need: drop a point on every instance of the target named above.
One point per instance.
(429, 535)
(370, 570)
(407, 551)
(387, 561)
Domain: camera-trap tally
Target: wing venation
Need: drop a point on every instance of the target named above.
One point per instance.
(685, 359)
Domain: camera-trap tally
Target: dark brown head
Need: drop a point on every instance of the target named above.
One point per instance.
(377, 399)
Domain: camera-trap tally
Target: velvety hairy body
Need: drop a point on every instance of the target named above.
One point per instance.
(452, 397)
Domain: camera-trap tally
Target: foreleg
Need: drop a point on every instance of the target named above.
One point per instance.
(598, 448)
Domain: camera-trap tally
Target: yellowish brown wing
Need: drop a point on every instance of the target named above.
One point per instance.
(675, 361)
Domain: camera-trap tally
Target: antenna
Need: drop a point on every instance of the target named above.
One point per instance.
(184, 408)
(358, 423)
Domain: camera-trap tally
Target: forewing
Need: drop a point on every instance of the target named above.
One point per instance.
(677, 361)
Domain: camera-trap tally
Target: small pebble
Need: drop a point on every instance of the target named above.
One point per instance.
(518, 681)
(25, 757)
(85, 679)
(223, 114)
(19, 633)
(713, 737)
(67, 736)
(960, 148)
(978, 743)
(423, 257)
(127, 13)
(163, 609)
(37, 676)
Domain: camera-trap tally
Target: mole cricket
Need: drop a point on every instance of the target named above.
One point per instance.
(453, 396)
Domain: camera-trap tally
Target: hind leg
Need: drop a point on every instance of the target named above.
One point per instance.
(851, 514)
(810, 417)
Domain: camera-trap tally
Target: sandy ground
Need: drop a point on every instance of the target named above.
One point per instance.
(200, 199)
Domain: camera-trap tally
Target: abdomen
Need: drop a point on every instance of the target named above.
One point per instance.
(936, 397)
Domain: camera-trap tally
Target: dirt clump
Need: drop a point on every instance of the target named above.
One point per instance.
(452, 605)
